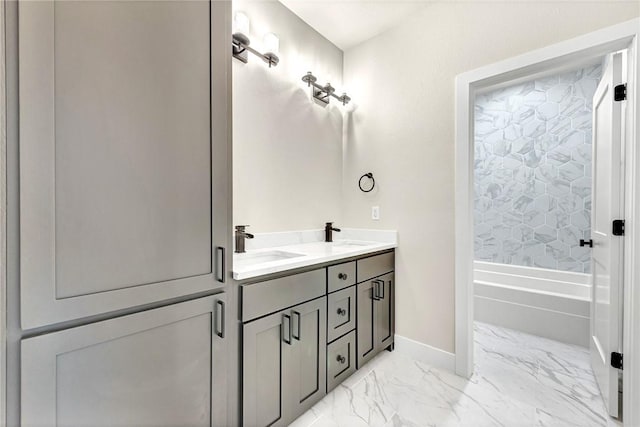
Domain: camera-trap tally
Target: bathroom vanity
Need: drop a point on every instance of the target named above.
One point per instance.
(305, 330)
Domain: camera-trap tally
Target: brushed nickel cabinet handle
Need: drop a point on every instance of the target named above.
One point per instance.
(341, 359)
(342, 276)
(342, 312)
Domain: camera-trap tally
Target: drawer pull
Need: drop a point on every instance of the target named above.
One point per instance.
(341, 359)
(342, 276)
(342, 312)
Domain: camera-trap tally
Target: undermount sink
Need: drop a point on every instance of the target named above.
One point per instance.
(247, 259)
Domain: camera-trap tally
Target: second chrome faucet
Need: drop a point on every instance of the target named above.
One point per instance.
(328, 231)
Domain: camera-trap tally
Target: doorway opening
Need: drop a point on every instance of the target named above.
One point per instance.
(532, 241)
(534, 225)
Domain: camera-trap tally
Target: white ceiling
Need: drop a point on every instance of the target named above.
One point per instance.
(347, 23)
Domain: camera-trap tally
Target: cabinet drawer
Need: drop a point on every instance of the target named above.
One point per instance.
(341, 360)
(341, 313)
(341, 276)
(259, 299)
(375, 266)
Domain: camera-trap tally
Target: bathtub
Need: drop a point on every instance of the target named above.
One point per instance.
(548, 303)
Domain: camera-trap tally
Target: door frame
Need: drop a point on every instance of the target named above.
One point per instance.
(569, 53)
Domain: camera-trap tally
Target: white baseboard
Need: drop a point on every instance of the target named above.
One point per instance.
(425, 353)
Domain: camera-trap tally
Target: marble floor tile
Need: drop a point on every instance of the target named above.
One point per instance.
(519, 380)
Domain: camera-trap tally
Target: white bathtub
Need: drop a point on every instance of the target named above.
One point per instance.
(548, 303)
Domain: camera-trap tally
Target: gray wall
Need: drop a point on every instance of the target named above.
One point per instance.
(532, 181)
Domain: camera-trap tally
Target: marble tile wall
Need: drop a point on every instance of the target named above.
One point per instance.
(532, 183)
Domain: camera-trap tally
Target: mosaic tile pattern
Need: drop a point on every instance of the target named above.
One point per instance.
(532, 183)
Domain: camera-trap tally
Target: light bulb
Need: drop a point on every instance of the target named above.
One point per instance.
(271, 43)
(241, 24)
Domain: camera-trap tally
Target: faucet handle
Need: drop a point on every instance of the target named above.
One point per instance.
(241, 227)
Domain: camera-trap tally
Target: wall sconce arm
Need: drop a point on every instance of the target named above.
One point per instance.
(240, 47)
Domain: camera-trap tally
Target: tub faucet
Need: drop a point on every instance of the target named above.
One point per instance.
(241, 235)
(328, 232)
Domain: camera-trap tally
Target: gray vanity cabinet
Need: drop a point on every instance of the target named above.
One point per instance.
(305, 333)
(284, 364)
(161, 367)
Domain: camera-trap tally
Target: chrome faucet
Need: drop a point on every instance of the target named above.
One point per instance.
(328, 232)
(241, 235)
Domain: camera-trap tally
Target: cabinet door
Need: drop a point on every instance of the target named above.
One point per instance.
(306, 371)
(116, 155)
(155, 368)
(384, 311)
(267, 345)
(366, 344)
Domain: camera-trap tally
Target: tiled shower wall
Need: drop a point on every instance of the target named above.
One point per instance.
(533, 172)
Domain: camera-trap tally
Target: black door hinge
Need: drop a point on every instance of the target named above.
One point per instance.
(618, 227)
(616, 360)
(620, 92)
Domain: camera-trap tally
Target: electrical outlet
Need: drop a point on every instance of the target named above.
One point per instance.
(375, 213)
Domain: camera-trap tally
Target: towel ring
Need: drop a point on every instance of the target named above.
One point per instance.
(373, 182)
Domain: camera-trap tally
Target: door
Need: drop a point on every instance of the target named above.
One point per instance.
(267, 346)
(606, 311)
(307, 377)
(155, 368)
(384, 315)
(117, 154)
(366, 343)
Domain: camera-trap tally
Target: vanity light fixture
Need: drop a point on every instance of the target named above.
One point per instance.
(240, 42)
(323, 93)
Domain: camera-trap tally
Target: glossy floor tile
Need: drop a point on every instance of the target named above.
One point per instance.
(519, 380)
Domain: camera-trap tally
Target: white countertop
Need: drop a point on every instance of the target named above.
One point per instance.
(271, 253)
